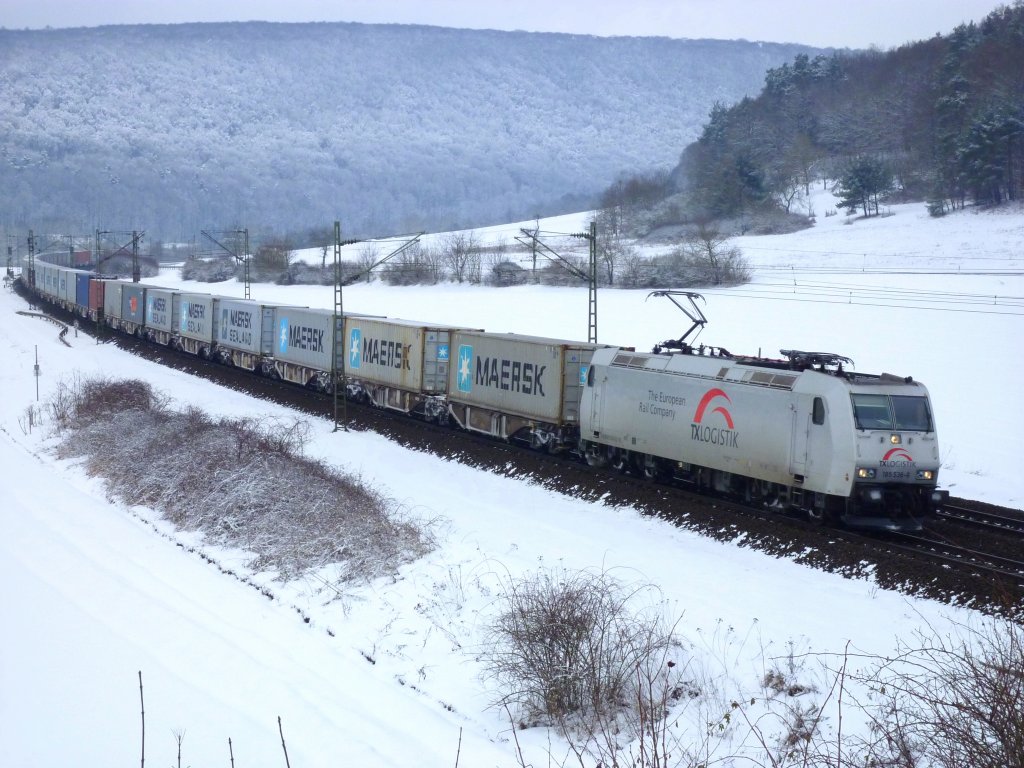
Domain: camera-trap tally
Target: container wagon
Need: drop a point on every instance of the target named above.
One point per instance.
(524, 388)
(245, 332)
(402, 365)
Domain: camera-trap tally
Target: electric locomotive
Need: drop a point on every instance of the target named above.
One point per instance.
(800, 432)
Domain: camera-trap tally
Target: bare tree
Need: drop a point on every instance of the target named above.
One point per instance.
(461, 252)
(433, 260)
(369, 255)
(612, 251)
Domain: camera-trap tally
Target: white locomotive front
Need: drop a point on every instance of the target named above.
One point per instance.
(799, 432)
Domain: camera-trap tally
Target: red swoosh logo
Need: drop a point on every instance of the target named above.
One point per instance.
(705, 401)
(899, 453)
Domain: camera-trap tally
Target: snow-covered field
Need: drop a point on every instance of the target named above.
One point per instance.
(93, 592)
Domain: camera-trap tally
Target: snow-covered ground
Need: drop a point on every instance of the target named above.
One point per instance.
(93, 592)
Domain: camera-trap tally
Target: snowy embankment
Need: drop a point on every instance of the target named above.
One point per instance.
(93, 592)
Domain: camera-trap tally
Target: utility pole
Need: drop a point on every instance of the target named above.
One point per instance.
(592, 285)
(136, 270)
(136, 239)
(233, 250)
(31, 259)
(246, 259)
(590, 275)
(533, 244)
(338, 372)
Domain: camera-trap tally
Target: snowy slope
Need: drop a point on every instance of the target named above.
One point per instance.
(93, 592)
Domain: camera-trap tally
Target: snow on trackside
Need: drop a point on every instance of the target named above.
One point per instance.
(93, 592)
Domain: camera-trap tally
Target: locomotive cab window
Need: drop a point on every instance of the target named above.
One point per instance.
(911, 413)
(903, 412)
(818, 412)
(872, 411)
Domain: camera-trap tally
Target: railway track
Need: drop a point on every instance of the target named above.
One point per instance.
(1002, 521)
(946, 552)
(981, 574)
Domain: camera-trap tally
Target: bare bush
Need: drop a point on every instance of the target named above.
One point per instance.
(706, 258)
(414, 266)
(30, 418)
(242, 483)
(576, 651)
(77, 402)
(953, 701)
(504, 273)
(208, 270)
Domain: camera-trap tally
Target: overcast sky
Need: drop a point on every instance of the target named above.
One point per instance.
(826, 23)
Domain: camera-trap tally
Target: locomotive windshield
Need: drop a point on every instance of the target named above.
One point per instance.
(902, 412)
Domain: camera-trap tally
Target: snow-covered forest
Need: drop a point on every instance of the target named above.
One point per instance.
(173, 129)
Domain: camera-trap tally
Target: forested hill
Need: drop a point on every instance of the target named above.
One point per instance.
(941, 120)
(389, 128)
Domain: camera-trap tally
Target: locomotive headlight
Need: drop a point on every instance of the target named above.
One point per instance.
(895, 439)
(925, 474)
(866, 473)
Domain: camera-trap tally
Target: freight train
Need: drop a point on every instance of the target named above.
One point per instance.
(799, 433)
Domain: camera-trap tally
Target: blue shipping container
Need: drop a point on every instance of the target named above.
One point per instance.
(82, 290)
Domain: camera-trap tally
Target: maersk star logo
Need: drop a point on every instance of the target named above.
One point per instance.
(442, 353)
(355, 344)
(185, 305)
(465, 373)
(583, 375)
(282, 341)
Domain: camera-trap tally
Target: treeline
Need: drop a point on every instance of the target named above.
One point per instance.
(940, 120)
(702, 257)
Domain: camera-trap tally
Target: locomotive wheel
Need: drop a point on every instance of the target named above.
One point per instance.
(621, 462)
(655, 470)
(820, 514)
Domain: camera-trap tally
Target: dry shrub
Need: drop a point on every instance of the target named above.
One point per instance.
(953, 701)
(242, 483)
(590, 656)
